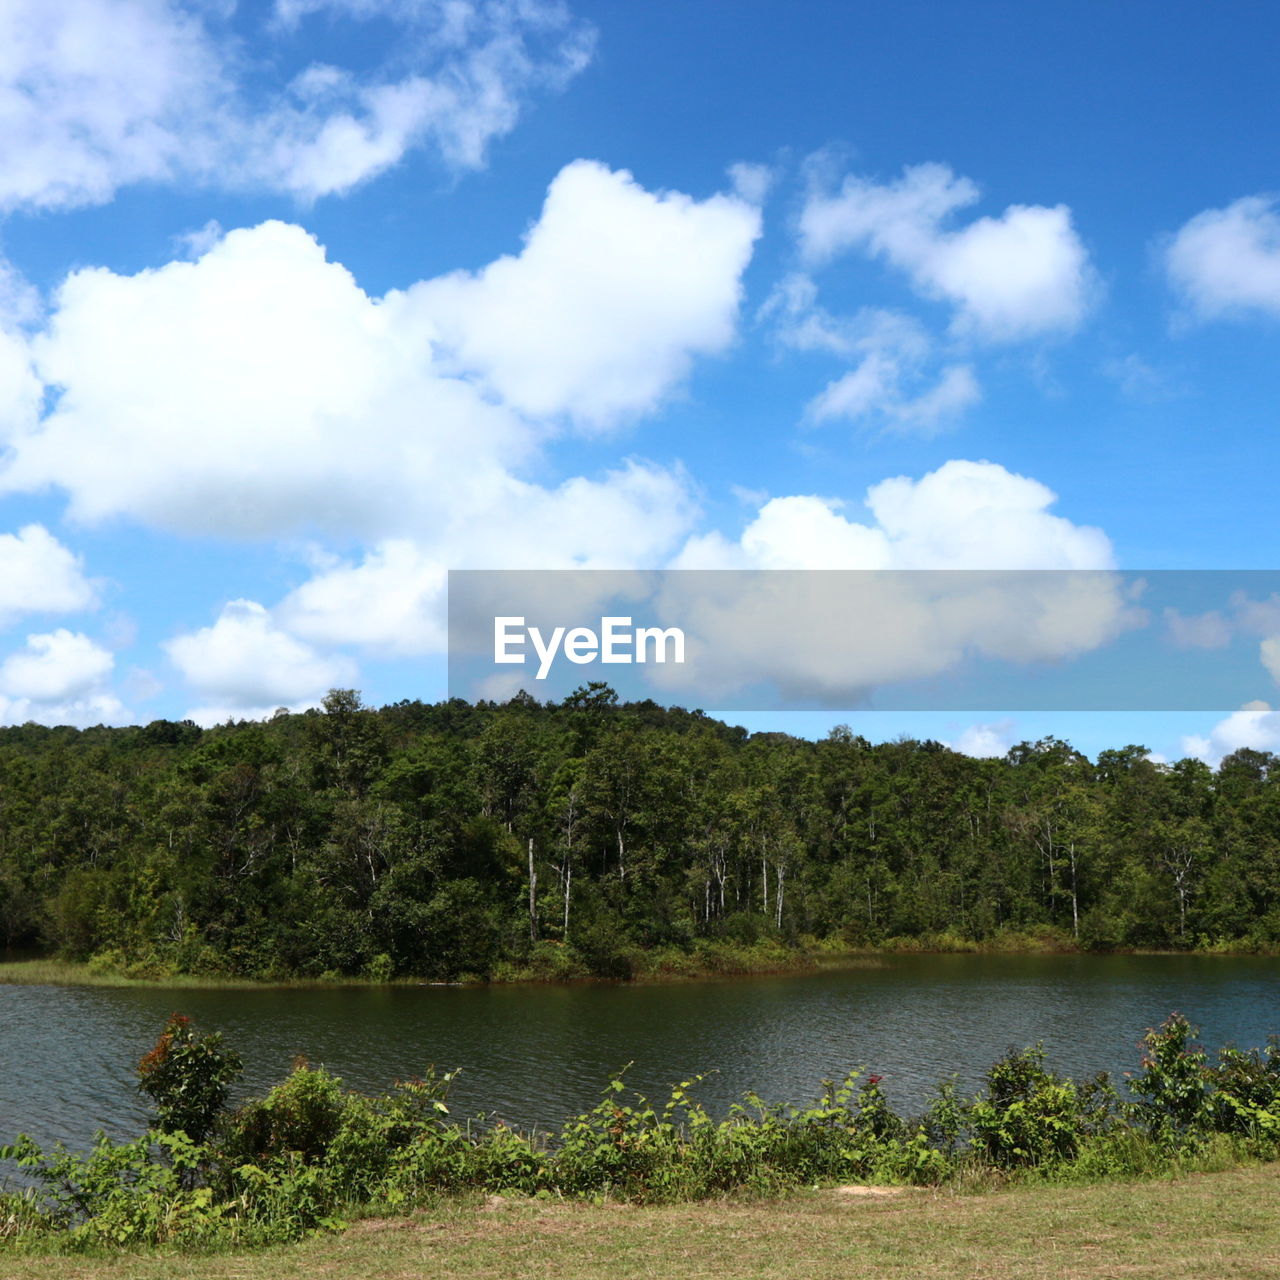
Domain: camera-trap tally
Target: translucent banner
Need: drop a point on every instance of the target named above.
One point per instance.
(892, 640)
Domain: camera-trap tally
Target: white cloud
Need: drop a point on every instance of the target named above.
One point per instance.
(95, 94)
(889, 383)
(254, 391)
(55, 667)
(613, 294)
(1016, 276)
(1269, 651)
(1216, 629)
(244, 662)
(977, 515)
(98, 94)
(392, 601)
(801, 323)
(964, 515)
(986, 740)
(1256, 726)
(751, 181)
(1227, 261)
(1256, 617)
(874, 387)
(81, 713)
(259, 391)
(59, 678)
(796, 532)
(39, 575)
(1209, 630)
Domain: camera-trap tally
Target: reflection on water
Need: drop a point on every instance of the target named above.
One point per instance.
(536, 1054)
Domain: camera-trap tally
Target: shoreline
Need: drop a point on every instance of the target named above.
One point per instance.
(649, 969)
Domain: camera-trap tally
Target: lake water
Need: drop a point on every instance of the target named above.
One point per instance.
(536, 1054)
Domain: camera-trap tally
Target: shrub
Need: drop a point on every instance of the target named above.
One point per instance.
(1173, 1086)
(1244, 1093)
(187, 1077)
(1028, 1116)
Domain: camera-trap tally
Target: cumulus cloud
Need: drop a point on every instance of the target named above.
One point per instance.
(613, 294)
(245, 666)
(391, 602)
(978, 515)
(965, 515)
(58, 678)
(1017, 276)
(55, 667)
(39, 575)
(98, 94)
(255, 391)
(1255, 725)
(1227, 261)
(985, 741)
(259, 390)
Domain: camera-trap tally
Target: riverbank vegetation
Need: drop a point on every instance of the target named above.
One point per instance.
(309, 1156)
(496, 841)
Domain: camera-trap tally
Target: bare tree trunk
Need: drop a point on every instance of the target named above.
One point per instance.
(1075, 901)
(533, 896)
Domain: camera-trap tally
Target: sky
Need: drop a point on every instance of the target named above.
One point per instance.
(305, 302)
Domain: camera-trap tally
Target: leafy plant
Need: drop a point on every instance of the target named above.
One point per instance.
(187, 1077)
(1173, 1086)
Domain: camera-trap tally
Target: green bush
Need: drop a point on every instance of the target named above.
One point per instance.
(1028, 1116)
(187, 1077)
(1173, 1086)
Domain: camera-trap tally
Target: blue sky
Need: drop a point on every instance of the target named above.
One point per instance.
(305, 302)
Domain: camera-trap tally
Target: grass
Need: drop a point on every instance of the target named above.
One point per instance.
(707, 960)
(70, 973)
(1222, 1225)
(657, 967)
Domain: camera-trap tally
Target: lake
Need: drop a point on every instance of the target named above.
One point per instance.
(536, 1054)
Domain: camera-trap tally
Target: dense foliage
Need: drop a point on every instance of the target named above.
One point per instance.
(441, 841)
(310, 1153)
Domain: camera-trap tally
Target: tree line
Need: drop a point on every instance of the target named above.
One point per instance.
(456, 839)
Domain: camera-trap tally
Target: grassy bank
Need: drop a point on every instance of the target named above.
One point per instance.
(667, 964)
(1222, 1225)
(553, 963)
(72, 973)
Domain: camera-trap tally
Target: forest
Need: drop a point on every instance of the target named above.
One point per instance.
(456, 841)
